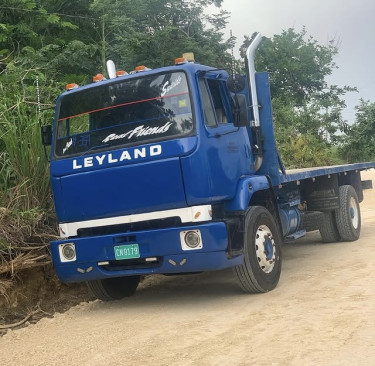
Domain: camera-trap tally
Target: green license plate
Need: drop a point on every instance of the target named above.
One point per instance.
(127, 251)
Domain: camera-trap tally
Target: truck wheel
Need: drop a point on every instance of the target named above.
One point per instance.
(261, 269)
(328, 228)
(348, 217)
(114, 288)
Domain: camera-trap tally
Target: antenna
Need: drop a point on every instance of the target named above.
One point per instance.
(232, 61)
(38, 101)
(40, 113)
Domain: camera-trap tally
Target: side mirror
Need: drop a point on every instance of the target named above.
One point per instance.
(236, 84)
(46, 135)
(239, 110)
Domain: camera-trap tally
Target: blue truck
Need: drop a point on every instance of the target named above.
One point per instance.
(175, 170)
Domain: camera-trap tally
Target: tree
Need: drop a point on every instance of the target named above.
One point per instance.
(155, 32)
(60, 42)
(303, 102)
(359, 142)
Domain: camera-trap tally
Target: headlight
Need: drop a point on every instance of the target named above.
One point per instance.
(191, 240)
(67, 252)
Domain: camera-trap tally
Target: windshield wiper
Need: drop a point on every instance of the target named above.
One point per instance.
(95, 147)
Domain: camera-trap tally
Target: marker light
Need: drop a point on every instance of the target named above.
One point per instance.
(121, 73)
(180, 60)
(189, 56)
(71, 86)
(98, 77)
(140, 68)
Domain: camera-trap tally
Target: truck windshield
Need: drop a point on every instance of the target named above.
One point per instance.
(126, 112)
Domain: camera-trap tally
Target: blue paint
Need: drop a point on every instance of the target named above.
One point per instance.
(268, 247)
(351, 210)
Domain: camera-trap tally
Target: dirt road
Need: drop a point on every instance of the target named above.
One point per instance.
(321, 313)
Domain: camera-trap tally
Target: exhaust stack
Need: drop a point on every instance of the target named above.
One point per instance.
(255, 124)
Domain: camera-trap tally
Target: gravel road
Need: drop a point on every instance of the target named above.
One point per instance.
(321, 313)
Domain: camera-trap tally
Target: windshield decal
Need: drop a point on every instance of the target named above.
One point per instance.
(67, 146)
(139, 131)
(167, 88)
(81, 141)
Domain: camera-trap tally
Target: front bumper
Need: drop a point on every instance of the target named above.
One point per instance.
(162, 244)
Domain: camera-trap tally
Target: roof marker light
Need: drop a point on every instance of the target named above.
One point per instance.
(121, 73)
(189, 56)
(98, 77)
(71, 86)
(180, 60)
(142, 68)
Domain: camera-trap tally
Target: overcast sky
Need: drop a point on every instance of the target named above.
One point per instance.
(352, 22)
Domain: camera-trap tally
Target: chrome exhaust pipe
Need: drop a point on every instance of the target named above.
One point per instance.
(255, 123)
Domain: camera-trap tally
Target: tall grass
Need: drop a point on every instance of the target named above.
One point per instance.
(24, 182)
(25, 199)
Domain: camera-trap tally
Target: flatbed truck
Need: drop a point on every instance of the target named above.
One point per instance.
(175, 170)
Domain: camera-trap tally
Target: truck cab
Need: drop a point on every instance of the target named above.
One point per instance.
(151, 141)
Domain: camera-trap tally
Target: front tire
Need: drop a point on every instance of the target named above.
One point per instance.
(115, 288)
(348, 217)
(261, 269)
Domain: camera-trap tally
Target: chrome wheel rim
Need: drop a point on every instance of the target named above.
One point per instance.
(265, 248)
(354, 212)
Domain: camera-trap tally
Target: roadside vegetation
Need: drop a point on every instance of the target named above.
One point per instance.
(46, 44)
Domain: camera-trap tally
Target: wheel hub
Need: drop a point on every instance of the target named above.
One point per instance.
(265, 248)
(354, 212)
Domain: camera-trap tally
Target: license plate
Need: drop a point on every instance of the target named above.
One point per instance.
(127, 251)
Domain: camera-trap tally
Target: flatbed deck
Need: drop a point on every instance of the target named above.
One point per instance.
(293, 175)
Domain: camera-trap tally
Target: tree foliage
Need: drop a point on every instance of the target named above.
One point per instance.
(60, 42)
(359, 142)
(305, 107)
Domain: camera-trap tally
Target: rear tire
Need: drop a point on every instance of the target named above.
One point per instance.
(261, 269)
(312, 220)
(328, 228)
(348, 217)
(116, 288)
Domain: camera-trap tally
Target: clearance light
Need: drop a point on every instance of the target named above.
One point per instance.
(121, 73)
(189, 56)
(140, 68)
(71, 86)
(98, 77)
(180, 60)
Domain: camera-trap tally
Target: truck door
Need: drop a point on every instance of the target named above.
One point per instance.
(227, 147)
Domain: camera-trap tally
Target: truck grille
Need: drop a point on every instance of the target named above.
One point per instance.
(125, 228)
